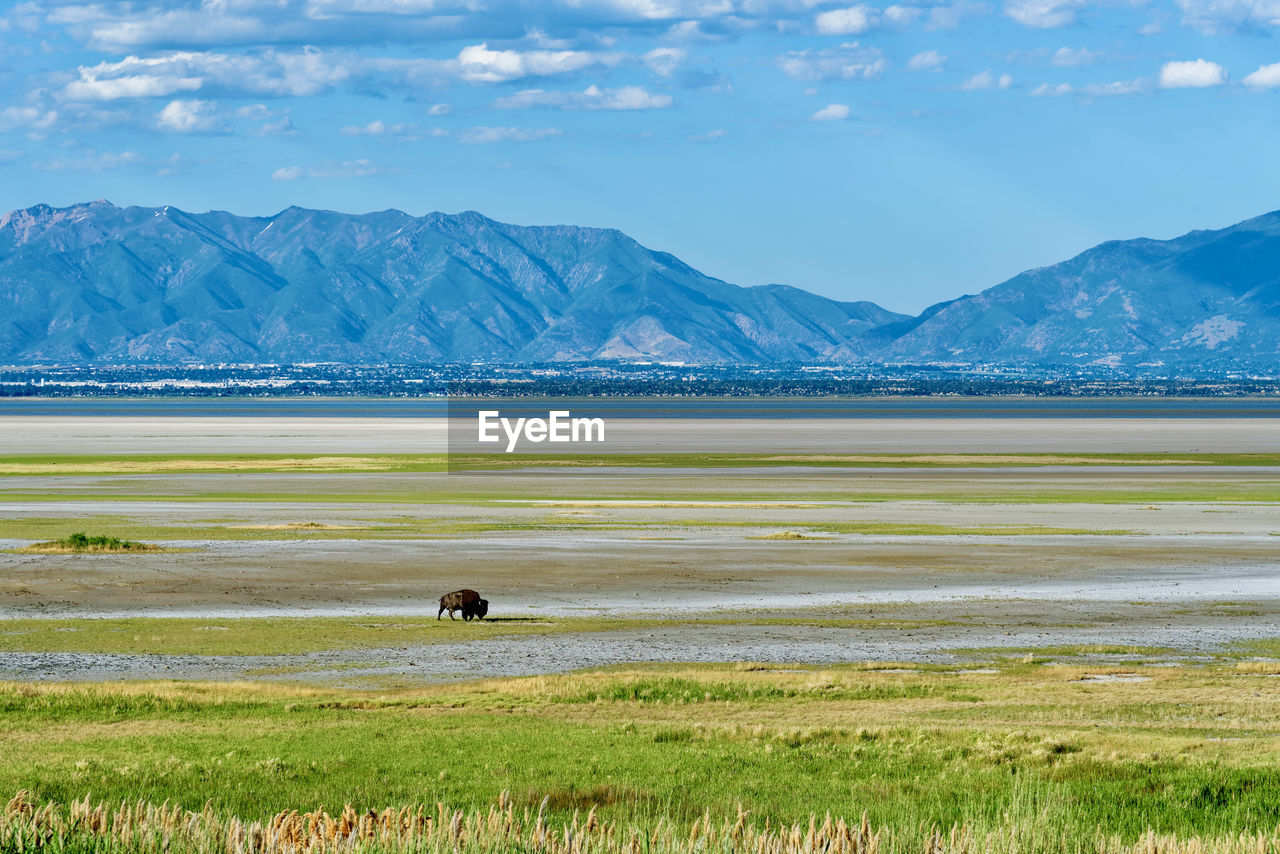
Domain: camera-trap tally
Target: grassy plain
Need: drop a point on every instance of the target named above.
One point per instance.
(1191, 751)
(291, 636)
(83, 464)
(1074, 748)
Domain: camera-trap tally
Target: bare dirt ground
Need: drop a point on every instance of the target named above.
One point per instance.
(611, 574)
(34, 434)
(684, 545)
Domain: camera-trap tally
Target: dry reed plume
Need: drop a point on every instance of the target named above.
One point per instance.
(145, 827)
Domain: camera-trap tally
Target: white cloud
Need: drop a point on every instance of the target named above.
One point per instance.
(90, 162)
(440, 110)
(361, 168)
(901, 16)
(1046, 89)
(850, 61)
(930, 60)
(401, 131)
(986, 80)
(1224, 16)
(1266, 77)
(255, 112)
(591, 98)
(282, 126)
(119, 27)
(1065, 57)
(1043, 14)
(1118, 87)
(373, 128)
(663, 61)
(949, 16)
(30, 118)
(845, 22)
(136, 86)
(831, 112)
(709, 136)
(305, 72)
(275, 122)
(479, 64)
(482, 135)
(310, 72)
(689, 31)
(1193, 74)
(190, 117)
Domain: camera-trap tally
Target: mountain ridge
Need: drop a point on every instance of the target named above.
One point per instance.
(96, 283)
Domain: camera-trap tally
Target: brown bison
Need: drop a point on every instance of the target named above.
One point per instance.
(466, 601)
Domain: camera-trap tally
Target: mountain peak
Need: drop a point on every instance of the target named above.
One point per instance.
(160, 285)
(97, 283)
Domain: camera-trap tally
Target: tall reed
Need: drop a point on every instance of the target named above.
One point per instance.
(82, 826)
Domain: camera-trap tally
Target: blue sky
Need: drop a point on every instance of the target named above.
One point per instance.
(904, 153)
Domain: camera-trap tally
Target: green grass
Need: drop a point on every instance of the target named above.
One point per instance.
(1191, 751)
(296, 635)
(266, 635)
(684, 691)
(37, 527)
(87, 464)
(919, 529)
(80, 543)
(962, 493)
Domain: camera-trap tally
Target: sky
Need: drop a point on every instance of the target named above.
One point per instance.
(904, 153)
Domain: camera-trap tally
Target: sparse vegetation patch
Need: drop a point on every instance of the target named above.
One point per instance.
(83, 544)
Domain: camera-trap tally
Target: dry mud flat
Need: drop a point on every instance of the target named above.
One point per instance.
(612, 574)
(42, 434)
(1188, 641)
(912, 599)
(677, 546)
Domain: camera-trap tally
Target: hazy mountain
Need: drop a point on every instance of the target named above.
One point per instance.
(1208, 297)
(98, 283)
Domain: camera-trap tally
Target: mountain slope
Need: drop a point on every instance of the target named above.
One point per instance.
(95, 283)
(98, 283)
(1208, 297)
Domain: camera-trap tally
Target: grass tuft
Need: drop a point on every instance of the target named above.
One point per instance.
(80, 543)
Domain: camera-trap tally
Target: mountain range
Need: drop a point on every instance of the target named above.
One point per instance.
(99, 284)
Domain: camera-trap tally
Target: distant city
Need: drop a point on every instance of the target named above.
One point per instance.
(625, 379)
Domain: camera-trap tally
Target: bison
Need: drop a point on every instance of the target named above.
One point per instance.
(466, 601)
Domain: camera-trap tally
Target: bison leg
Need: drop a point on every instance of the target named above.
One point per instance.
(441, 611)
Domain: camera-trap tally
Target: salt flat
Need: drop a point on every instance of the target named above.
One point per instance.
(39, 434)
(928, 561)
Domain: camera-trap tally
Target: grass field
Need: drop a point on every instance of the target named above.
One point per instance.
(59, 529)
(1187, 751)
(289, 636)
(85, 464)
(1026, 748)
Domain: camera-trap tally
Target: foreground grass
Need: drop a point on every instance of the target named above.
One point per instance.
(147, 827)
(1191, 752)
